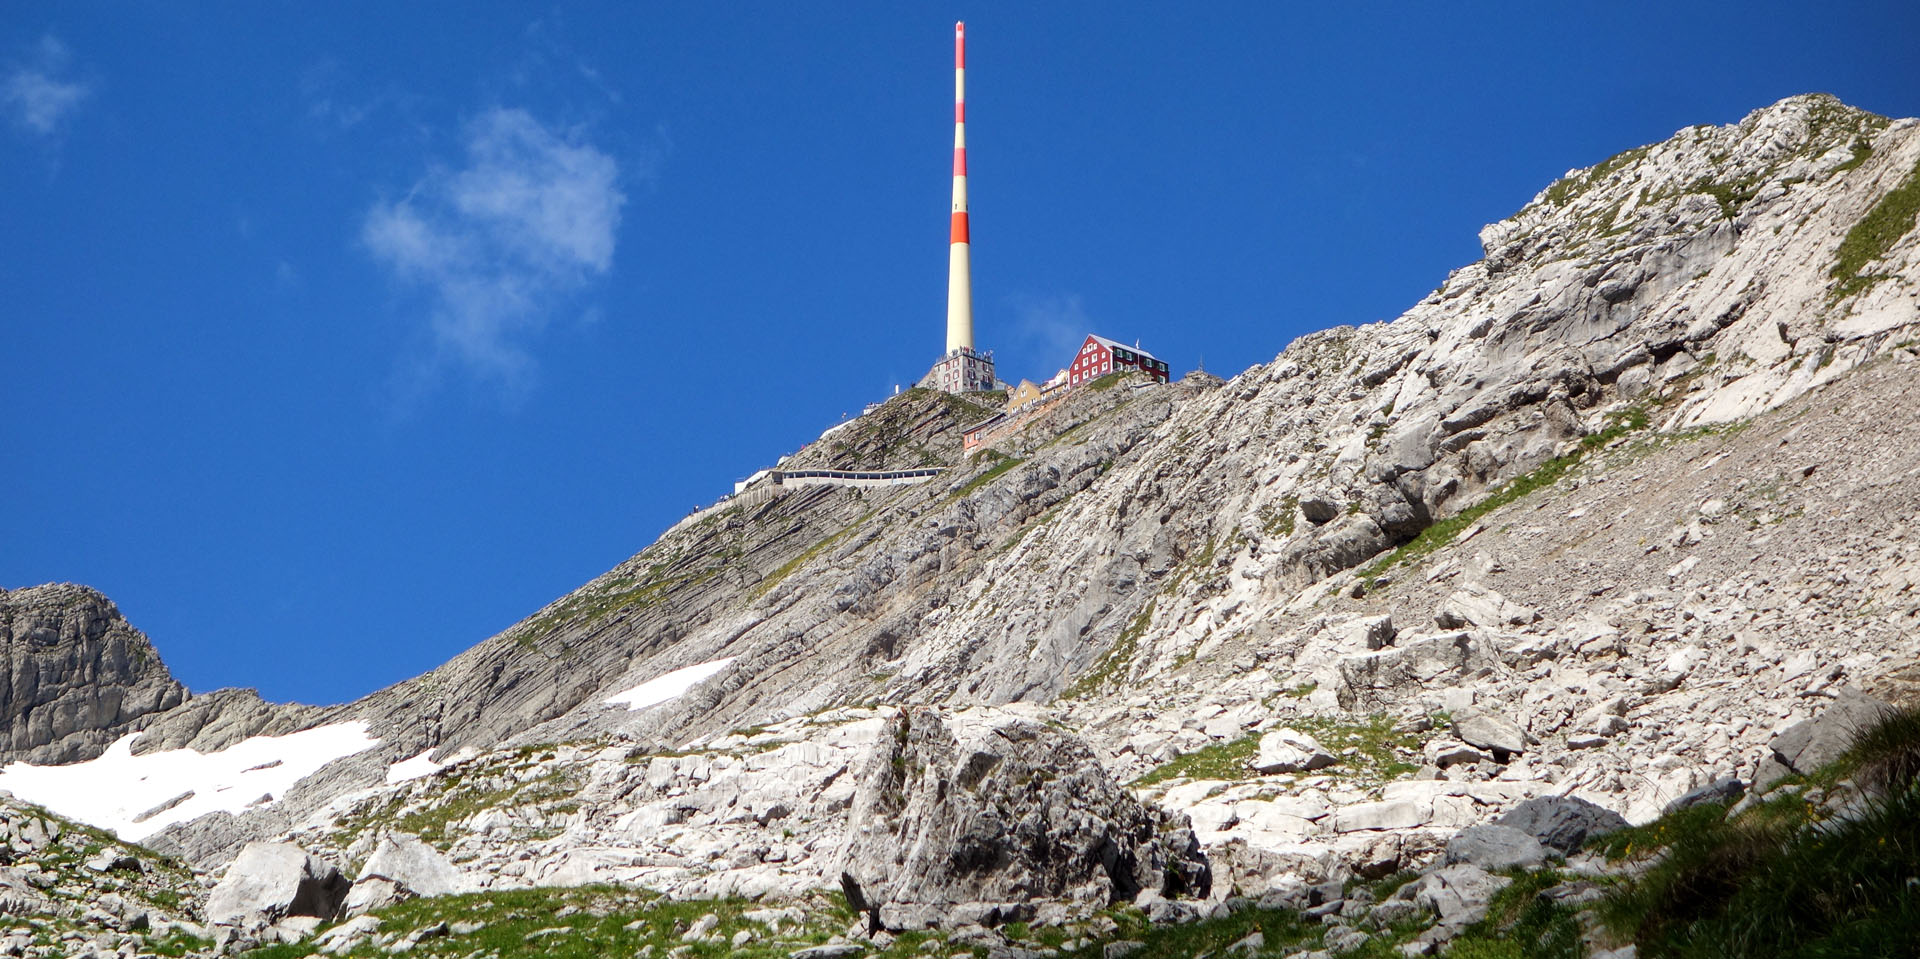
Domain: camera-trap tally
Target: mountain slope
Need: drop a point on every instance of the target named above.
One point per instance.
(1143, 554)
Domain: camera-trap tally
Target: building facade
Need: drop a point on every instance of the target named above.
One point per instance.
(1024, 395)
(1099, 356)
(963, 370)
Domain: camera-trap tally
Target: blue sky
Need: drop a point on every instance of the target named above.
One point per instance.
(337, 337)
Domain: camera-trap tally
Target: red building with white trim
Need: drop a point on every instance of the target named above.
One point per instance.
(1099, 356)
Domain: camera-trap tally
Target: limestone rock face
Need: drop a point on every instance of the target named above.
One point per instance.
(271, 881)
(989, 807)
(218, 719)
(1458, 894)
(74, 676)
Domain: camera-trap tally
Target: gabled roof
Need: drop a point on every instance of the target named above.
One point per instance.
(1114, 345)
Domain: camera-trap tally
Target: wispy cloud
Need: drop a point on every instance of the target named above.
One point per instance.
(498, 243)
(1051, 326)
(40, 93)
(337, 103)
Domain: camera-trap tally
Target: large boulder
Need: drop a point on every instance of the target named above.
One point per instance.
(1420, 661)
(1474, 605)
(1494, 848)
(1808, 745)
(1290, 751)
(271, 881)
(401, 868)
(987, 807)
(1492, 732)
(1563, 823)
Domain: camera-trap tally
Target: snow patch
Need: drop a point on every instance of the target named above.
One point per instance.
(414, 767)
(137, 796)
(662, 688)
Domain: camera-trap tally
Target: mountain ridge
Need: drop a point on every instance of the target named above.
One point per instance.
(1145, 554)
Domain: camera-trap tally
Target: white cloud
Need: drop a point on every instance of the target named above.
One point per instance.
(1053, 325)
(530, 218)
(37, 95)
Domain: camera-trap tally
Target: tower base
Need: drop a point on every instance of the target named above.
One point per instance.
(962, 371)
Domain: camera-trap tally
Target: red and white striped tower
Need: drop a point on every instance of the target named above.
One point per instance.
(959, 272)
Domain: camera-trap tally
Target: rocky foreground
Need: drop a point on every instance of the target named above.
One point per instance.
(1331, 653)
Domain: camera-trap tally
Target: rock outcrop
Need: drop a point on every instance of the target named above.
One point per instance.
(979, 814)
(401, 867)
(272, 881)
(74, 676)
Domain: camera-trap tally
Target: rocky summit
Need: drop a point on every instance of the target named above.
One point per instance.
(1365, 650)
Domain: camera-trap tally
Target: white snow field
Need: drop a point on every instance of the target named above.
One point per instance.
(414, 767)
(662, 688)
(137, 796)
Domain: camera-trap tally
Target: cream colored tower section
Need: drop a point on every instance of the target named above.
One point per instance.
(959, 264)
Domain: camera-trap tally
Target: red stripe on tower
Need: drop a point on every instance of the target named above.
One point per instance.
(959, 266)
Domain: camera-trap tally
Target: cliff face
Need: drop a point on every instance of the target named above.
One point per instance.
(75, 675)
(1678, 285)
(1165, 569)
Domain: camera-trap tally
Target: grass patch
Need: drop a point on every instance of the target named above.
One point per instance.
(1105, 382)
(1886, 755)
(1569, 188)
(1522, 924)
(1282, 929)
(432, 823)
(1730, 196)
(1876, 233)
(1785, 877)
(1199, 562)
(1226, 761)
(1118, 658)
(620, 593)
(594, 921)
(177, 944)
(1383, 889)
(1279, 521)
(1442, 531)
(1861, 151)
(1380, 753)
(1659, 835)
(988, 475)
(459, 793)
